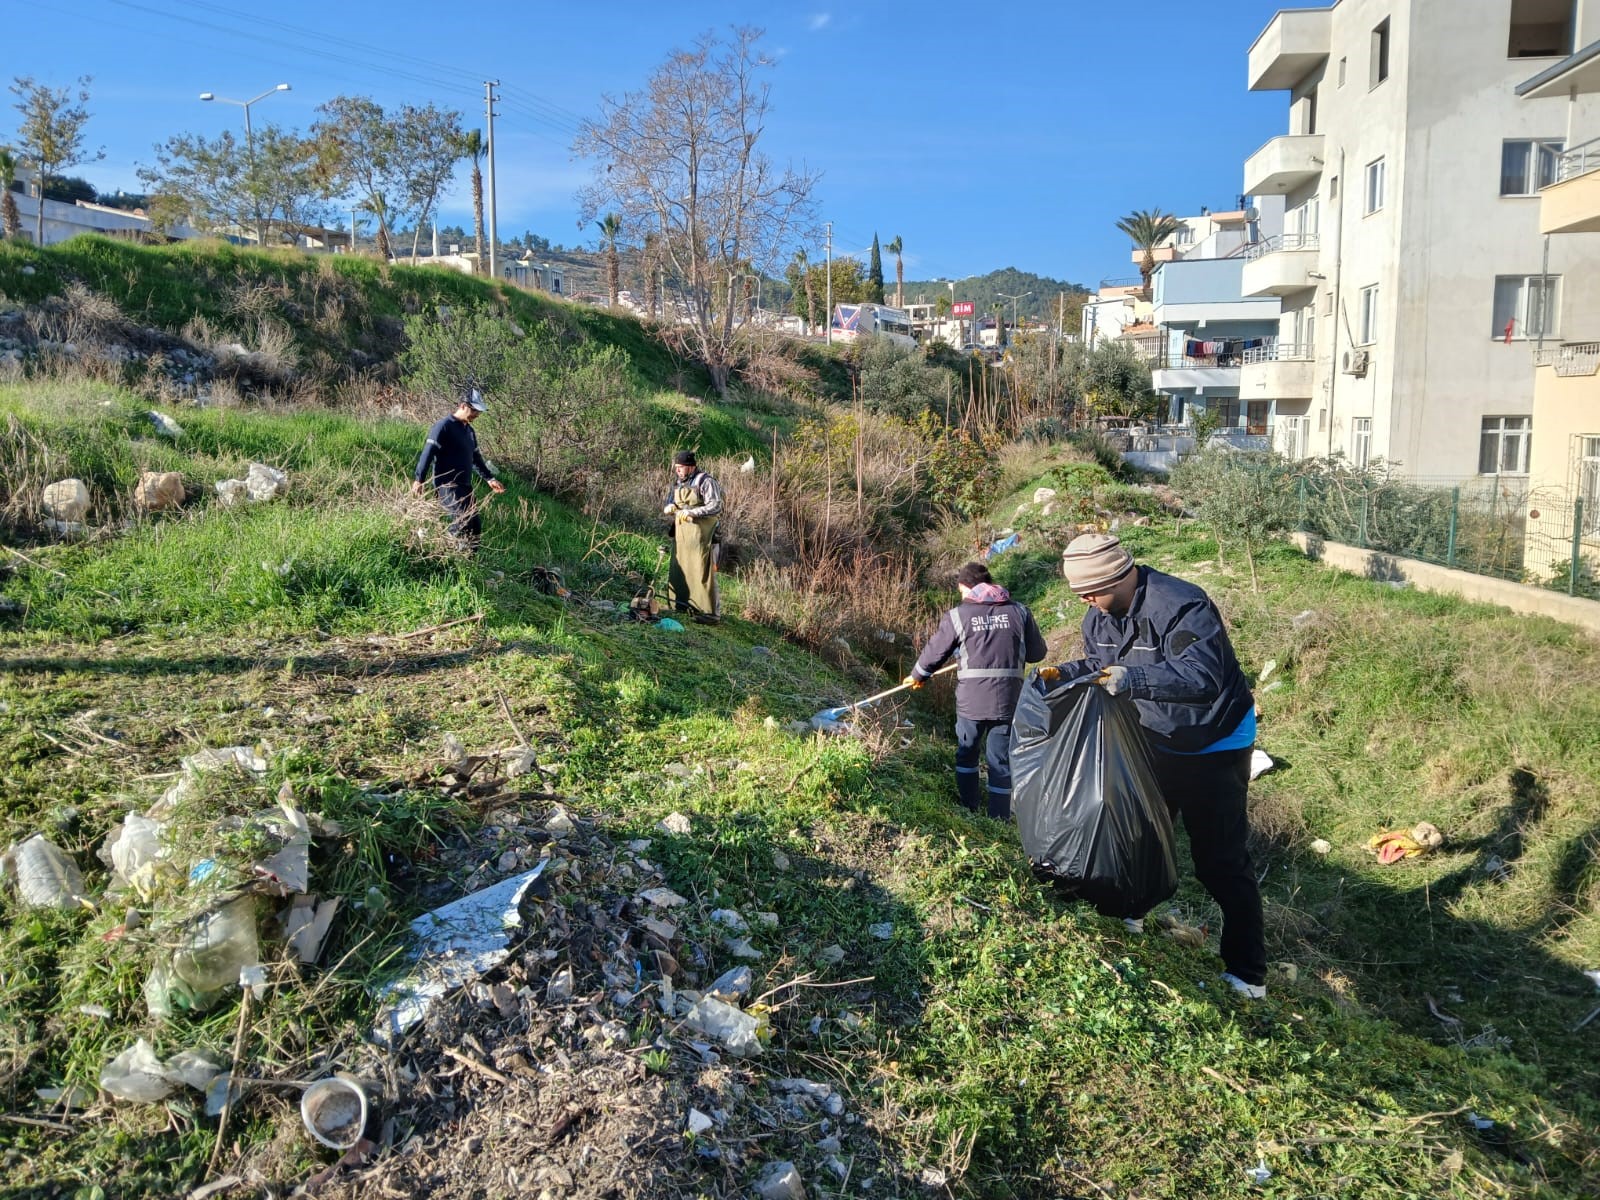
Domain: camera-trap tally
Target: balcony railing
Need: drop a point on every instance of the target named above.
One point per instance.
(1570, 360)
(1275, 350)
(1580, 160)
(1170, 360)
(1282, 241)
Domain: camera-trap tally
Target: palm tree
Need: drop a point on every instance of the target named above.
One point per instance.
(803, 266)
(609, 229)
(894, 248)
(10, 218)
(473, 147)
(1148, 230)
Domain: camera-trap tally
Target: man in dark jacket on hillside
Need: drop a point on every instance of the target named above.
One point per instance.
(996, 638)
(451, 453)
(1161, 642)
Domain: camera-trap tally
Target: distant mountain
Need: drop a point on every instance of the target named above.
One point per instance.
(985, 292)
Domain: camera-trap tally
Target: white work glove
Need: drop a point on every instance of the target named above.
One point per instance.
(669, 510)
(1114, 680)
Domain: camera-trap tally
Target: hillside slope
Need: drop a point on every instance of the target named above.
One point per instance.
(971, 1031)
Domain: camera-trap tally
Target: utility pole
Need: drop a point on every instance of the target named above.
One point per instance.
(494, 229)
(1061, 315)
(829, 316)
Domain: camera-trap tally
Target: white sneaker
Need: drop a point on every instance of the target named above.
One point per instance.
(1253, 991)
(1134, 924)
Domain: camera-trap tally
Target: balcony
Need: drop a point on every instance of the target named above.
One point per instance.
(1294, 43)
(1280, 266)
(1571, 360)
(1572, 203)
(1206, 373)
(1283, 163)
(1277, 370)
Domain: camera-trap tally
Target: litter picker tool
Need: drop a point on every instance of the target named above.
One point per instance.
(829, 718)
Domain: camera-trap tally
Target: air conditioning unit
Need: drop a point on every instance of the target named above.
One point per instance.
(1252, 213)
(1355, 362)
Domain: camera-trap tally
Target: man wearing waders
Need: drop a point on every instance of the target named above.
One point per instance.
(1160, 641)
(996, 639)
(693, 505)
(451, 453)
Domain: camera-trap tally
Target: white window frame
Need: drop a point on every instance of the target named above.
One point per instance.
(1343, 63)
(1382, 51)
(1360, 442)
(1375, 180)
(1588, 465)
(1294, 436)
(1369, 315)
(1542, 153)
(1514, 430)
(1523, 310)
(1184, 236)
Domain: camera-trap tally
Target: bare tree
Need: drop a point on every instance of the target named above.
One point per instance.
(51, 131)
(682, 157)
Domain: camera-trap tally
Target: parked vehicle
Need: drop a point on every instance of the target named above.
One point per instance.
(852, 321)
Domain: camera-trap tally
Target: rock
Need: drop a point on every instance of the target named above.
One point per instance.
(1322, 846)
(665, 930)
(780, 1181)
(662, 897)
(66, 500)
(831, 955)
(675, 824)
(262, 482)
(1048, 508)
(453, 753)
(507, 862)
(677, 770)
(230, 491)
(730, 919)
(698, 1122)
(883, 931)
(741, 948)
(159, 491)
(525, 763)
(1040, 495)
(780, 860)
(559, 825)
(165, 425)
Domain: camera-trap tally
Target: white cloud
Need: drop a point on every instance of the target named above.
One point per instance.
(819, 21)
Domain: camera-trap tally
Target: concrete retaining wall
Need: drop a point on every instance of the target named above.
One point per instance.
(1482, 589)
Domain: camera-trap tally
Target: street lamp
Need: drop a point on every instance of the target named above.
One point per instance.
(1013, 300)
(250, 146)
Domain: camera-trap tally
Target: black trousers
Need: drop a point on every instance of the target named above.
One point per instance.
(465, 521)
(1207, 792)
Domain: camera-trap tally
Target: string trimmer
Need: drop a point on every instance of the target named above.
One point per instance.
(829, 719)
(643, 606)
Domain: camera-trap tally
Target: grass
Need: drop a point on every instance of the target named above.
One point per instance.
(1020, 1047)
(331, 303)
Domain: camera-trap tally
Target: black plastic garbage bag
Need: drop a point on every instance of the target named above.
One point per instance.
(1086, 800)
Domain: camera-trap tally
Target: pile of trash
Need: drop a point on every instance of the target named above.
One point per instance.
(580, 1028)
(572, 1025)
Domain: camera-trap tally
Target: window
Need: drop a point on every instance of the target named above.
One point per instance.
(1369, 315)
(1373, 200)
(1525, 306)
(1295, 436)
(1333, 187)
(1503, 448)
(1311, 112)
(1361, 442)
(1380, 53)
(1258, 418)
(1540, 28)
(1342, 63)
(1589, 482)
(1526, 166)
(1184, 236)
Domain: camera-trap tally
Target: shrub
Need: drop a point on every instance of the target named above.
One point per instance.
(898, 381)
(1247, 498)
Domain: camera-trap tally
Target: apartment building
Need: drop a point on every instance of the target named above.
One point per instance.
(1564, 443)
(1411, 271)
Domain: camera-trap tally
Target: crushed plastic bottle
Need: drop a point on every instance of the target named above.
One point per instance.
(217, 946)
(44, 875)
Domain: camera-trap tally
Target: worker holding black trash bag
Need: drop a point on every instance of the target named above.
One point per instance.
(995, 638)
(1160, 642)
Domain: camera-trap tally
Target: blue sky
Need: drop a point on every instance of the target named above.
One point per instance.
(985, 135)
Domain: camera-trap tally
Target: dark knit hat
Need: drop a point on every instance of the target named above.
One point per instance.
(683, 458)
(1095, 561)
(973, 574)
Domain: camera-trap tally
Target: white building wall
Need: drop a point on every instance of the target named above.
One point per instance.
(1442, 236)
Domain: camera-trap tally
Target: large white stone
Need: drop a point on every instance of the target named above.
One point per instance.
(158, 491)
(66, 499)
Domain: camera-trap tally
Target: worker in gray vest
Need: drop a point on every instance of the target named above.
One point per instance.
(996, 638)
(693, 505)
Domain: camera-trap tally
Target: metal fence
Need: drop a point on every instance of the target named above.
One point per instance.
(1488, 525)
